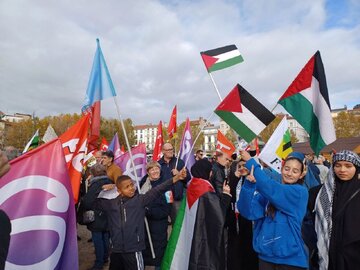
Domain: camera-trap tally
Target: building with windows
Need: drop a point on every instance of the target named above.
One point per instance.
(146, 134)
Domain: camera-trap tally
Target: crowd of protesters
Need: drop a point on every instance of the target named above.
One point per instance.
(271, 220)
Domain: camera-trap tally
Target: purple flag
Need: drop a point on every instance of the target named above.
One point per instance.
(115, 146)
(139, 156)
(186, 153)
(37, 196)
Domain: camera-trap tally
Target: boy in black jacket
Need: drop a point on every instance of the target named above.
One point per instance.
(126, 215)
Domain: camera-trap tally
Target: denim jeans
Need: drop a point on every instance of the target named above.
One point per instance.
(101, 244)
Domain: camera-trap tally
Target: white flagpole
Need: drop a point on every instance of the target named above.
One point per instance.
(216, 89)
(218, 93)
(134, 168)
(197, 136)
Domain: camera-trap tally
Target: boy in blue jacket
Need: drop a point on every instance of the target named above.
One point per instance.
(277, 210)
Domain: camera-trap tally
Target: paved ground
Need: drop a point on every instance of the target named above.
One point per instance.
(86, 250)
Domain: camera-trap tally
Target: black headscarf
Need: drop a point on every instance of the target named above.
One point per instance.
(201, 169)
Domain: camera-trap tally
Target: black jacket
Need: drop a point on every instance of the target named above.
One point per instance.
(218, 177)
(88, 201)
(5, 229)
(178, 188)
(157, 213)
(126, 218)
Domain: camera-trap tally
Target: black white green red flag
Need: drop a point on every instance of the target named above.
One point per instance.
(196, 240)
(244, 113)
(221, 58)
(307, 100)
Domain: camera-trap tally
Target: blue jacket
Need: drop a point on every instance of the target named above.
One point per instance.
(277, 240)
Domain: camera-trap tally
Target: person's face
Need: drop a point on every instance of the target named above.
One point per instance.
(199, 155)
(98, 157)
(242, 169)
(168, 150)
(154, 173)
(106, 161)
(223, 160)
(344, 170)
(127, 188)
(291, 171)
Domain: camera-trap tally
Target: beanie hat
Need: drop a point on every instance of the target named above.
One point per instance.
(201, 169)
(347, 155)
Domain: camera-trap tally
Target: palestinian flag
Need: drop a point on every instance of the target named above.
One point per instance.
(33, 143)
(278, 146)
(221, 58)
(243, 113)
(197, 237)
(307, 100)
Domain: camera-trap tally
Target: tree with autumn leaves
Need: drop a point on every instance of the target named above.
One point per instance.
(18, 134)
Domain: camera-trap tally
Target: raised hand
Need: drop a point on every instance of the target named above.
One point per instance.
(251, 177)
(226, 188)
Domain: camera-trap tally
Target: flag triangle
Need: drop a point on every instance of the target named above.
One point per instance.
(208, 60)
(302, 81)
(232, 102)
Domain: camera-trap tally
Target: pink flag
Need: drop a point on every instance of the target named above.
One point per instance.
(139, 156)
(37, 196)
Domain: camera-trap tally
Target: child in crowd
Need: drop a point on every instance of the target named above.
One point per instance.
(126, 215)
(277, 210)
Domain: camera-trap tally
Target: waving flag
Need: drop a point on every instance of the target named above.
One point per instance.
(114, 146)
(307, 100)
(158, 143)
(100, 85)
(243, 113)
(221, 58)
(186, 154)
(278, 146)
(172, 124)
(74, 142)
(224, 145)
(49, 135)
(139, 156)
(199, 225)
(37, 196)
(104, 144)
(33, 143)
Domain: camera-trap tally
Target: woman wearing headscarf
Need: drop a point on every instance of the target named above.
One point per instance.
(337, 215)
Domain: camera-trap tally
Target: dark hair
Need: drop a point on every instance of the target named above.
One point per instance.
(109, 154)
(234, 156)
(270, 211)
(121, 179)
(97, 170)
(303, 168)
(199, 151)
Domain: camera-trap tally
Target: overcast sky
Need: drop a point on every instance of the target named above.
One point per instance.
(152, 49)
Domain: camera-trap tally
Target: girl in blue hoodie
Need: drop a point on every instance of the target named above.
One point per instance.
(277, 210)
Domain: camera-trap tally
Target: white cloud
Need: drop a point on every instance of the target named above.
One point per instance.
(152, 51)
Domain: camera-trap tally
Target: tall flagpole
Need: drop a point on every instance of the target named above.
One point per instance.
(198, 135)
(218, 93)
(216, 89)
(134, 168)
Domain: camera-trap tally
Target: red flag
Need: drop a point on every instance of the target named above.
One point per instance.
(74, 142)
(104, 145)
(94, 133)
(37, 197)
(172, 124)
(224, 145)
(158, 143)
